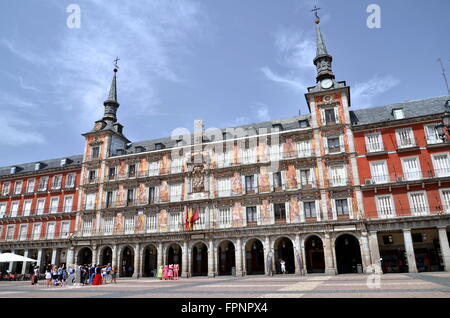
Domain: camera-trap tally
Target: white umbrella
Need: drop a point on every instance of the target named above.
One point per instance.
(11, 257)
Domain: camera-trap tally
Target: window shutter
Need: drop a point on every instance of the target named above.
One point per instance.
(333, 209)
(324, 121)
(336, 114)
(271, 180)
(255, 183)
(350, 208)
(341, 143)
(325, 145)
(301, 209)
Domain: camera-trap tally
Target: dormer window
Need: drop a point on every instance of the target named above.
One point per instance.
(13, 170)
(277, 127)
(303, 123)
(398, 113)
(139, 149)
(63, 162)
(159, 146)
(37, 166)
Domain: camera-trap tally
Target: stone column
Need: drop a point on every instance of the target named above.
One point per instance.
(94, 254)
(211, 265)
(409, 246)
(267, 249)
(185, 261)
(330, 269)
(365, 251)
(445, 249)
(160, 256)
(137, 261)
(54, 254)
(114, 256)
(24, 266)
(70, 256)
(374, 248)
(39, 259)
(11, 264)
(238, 257)
(297, 255)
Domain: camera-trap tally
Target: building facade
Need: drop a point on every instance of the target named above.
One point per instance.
(328, 192)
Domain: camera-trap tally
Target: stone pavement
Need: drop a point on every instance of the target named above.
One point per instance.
(429, 285)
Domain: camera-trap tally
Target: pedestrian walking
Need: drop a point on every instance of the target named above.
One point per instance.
(48, 277)
(283, 266)
(114, 275)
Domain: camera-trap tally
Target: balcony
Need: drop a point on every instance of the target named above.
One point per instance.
(374, 148)
(407, 144)
(339, 182)
(55, 235)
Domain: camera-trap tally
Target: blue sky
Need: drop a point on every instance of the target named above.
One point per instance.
(228, 62)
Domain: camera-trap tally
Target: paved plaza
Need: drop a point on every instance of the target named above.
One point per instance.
(431, 285)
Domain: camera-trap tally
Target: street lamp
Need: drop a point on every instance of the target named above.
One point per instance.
(445, 125)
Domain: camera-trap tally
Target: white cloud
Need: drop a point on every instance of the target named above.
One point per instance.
(17, 131)
(262, 111)
(363, 94)
(290, 81)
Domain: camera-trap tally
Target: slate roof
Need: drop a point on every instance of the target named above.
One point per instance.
(411, 109)
(46, 165)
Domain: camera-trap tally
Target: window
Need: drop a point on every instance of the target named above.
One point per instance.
(304, 148)
(151, 194)
(175, 192)
(249, 155)
(374, 142)
(54, 204)
(330, 116)
(201, 222)
(36, 231)
(27, 208)
(2, 210)
(111, 173)
(337, 175)
(23, 232)
(70, 180)
(95, 152)
(411, 168)
(274, 152)
(108, 225)
(341, 207)
(151, 223)
(432, 134)
(18, 187)
(87, 227)
(445, 199)
(224, 187)
(251, 214)
(441, 164)
(30, 185)
(379, 172)
(68, 201)
(280, 211)
(277, 127)
(310, 209)
(405, 138)
(132, 171)
(40, 206)
(175, 221)
(5, 188)
(56, 182)
(90, 201)
(398, 113)
(250, 184)
(385, 206)
(129, 224)
(65, 229)
(176, 165)
(333, 144)
(43, 181)
(91, 176)
(306, 178)
(223, 158)
(51, 230)
(130, 196)
(418, 203)
(277, 180)
(225, 218)
(159, 146)
(14, 208)
(109, 198)
(303, 123)
(153, 169)
(10, 232)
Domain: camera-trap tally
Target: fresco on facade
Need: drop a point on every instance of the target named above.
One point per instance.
(165, 165)
(118, 228)
(261, 151)
(162, 221)
(290, 149)
(264, 182)
(164, 191)
(120, 199)
(122, 169)
(291, 176)
(294, 210)
(80, 224)
(236, 184)
(143, 167)
(142, 194)
(235, 160)
(265, 212)
(140, 223)
(213, 158)
(237, 215)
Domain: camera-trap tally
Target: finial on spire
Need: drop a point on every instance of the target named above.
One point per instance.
(315, 10)
(116, 67)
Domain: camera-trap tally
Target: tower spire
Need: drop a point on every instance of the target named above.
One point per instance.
(111, 103)
(323, 60)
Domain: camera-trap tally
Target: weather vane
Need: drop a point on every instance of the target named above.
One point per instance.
(116, 67)
(315, 10)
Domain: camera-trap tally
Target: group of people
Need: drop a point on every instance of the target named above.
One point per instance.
(168, 272)
(92, 274)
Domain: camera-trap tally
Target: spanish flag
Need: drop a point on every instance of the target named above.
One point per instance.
(186, 219)
(190, 218)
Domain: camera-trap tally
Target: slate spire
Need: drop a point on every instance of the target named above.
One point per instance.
(111, 103)
(323, 60)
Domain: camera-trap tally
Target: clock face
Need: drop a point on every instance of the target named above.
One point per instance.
(326, 83)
